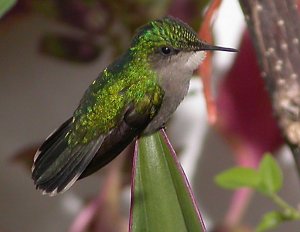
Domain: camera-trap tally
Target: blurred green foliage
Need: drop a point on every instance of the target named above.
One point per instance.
(267, 180)
(6, 5)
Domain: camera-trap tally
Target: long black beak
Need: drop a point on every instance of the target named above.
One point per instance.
(208, 47)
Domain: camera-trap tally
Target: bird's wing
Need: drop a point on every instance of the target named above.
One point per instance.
(61, 160)
(135, 120)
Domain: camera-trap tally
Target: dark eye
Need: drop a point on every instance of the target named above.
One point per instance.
(165, 50)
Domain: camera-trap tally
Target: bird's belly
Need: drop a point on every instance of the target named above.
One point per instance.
(171, 101)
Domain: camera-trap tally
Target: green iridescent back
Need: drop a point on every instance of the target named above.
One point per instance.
(126, 81)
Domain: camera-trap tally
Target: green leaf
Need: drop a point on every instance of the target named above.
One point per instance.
(6, 5)
(238, 177)
(269, 221)
(270, 175)
(161, 198)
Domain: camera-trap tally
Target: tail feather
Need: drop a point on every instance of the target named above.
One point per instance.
(57, 166)
(43, 161)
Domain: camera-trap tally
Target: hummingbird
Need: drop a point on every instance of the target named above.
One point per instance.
(134, 96)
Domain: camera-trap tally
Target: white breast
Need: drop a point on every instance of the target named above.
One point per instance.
(174, 77)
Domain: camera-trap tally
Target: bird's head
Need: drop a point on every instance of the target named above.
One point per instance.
(169, 43)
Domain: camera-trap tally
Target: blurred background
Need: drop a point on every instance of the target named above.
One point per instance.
(52, 50)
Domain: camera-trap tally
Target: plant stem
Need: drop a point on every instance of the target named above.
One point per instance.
(289, 211)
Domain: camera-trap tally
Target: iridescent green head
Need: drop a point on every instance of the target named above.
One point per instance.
(167, 37)
(167, 32)
(171, 49)
(172, 33)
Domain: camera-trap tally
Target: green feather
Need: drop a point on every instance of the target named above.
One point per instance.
(105, 101)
